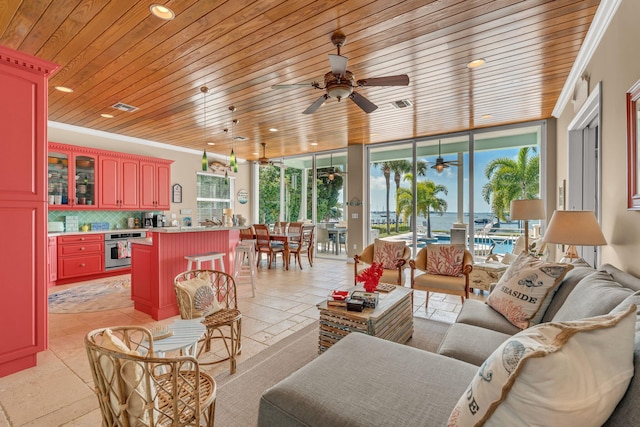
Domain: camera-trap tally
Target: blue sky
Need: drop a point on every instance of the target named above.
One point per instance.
(448, 178)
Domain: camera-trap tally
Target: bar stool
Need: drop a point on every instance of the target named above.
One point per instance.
(245, 272)
(194, 262)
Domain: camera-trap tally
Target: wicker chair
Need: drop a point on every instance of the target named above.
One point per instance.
(452, 285)
(393, 276)
(226, 316)
(146, 390)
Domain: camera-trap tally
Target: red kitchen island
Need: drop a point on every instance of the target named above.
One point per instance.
(157, 260)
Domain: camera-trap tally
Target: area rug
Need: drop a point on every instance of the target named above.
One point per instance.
(108, 295)
(239, 394)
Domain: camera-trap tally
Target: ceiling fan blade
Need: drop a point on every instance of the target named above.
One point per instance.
(400, 80)
(292, 86)
(338, 64)
(362, 102)
(313, 107)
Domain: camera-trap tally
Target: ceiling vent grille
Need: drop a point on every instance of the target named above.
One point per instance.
(403, 103)
(124, 107)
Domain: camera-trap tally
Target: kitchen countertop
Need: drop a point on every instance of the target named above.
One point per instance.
(121, 230)
(193, 229)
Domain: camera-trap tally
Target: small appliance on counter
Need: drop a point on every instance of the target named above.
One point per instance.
(147, 220)
(160, 220)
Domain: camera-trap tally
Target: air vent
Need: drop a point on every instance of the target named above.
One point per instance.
(124, 107)
(240, 138)
(403, 103)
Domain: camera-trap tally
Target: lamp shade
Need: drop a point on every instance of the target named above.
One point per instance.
(576, 228)
(525, 209)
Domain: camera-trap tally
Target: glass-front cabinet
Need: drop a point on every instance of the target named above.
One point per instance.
(72, 180)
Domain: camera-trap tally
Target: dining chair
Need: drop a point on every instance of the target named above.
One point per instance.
(324, 242)
(282, 226)
(445, 269)
(303, 244)
(264, 245)
(211, 295)
(145, 390)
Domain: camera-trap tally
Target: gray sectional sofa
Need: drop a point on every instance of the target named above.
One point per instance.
(366, 381)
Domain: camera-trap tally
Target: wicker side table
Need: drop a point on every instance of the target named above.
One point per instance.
(486, 273)
(392, 319)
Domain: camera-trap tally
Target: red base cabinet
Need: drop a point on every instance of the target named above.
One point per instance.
(23, 209)
(80, 255)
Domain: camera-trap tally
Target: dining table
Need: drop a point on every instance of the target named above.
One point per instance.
(285, 238)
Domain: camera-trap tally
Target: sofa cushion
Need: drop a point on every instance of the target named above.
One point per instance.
(470, 344)
(445, 260)
(386, 252)
(479, 314)
(553, 371)
(627, 412)
(594, 295)
(524, 292)
(366, 381)
(579, 271)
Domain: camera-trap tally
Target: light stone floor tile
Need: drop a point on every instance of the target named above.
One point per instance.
(285, 302)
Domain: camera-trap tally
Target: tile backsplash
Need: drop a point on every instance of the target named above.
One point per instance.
(116, 219)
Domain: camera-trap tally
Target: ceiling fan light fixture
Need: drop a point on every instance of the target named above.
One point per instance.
(340, 90)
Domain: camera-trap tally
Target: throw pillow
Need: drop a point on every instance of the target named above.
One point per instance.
(386, 252)
(525, 290)
(596, 294)
(203, 298)
(553, 374)
(445, 260)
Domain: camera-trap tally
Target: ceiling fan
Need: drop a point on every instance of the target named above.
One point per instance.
(340, 83)
(441, 163)
(264, 160)
(331, 172)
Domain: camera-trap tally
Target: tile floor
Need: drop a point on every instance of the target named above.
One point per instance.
(58, 392)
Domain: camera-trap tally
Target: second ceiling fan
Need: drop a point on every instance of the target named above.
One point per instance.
(441, 163)
(340, 83)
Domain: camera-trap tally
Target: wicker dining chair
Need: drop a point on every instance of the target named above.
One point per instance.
(144, 390)
(264, 245)
(212, 295)
(303, 244)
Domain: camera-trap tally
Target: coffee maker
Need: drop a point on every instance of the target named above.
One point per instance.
(159, 220)
(147, 220)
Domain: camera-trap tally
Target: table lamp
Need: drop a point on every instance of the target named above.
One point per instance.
(574, 228)
(526, 209)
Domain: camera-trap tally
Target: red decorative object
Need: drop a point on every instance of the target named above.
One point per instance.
(370, 277)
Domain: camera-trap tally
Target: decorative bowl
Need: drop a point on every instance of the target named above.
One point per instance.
(53, 160)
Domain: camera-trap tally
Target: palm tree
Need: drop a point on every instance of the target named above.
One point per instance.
(511, 179)
(386, 171)
(427, 200)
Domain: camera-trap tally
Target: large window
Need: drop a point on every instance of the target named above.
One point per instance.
(213, 195)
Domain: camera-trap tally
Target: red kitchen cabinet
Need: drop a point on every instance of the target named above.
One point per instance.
(72, 177)
(52, 260)
(80, 255)
(155, 185)
(23, 208)
(119, 183)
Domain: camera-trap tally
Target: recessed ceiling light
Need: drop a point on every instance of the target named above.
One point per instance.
(374, 134)
(256, 154)
(162, 12)
(64, 89)
(211, 143)
(476, 63)
(314, 143)
(106, 116)
(273, 130)
(486, 116)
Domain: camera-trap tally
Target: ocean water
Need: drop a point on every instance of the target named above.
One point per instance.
(442, 222)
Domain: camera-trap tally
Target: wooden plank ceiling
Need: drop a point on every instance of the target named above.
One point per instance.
(116, 51)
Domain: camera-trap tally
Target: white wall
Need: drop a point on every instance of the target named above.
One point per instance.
(616, 63)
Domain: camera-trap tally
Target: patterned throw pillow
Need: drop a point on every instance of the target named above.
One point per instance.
(525, 290)
(553, 374)
(445, 260)
(203, 298)
(386, 252)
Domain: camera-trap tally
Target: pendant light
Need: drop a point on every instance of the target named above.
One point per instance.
(205, 161)
(233, 163)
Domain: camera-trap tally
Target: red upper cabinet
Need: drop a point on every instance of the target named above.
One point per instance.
(155, 185)
(72, 178)
(119, 183)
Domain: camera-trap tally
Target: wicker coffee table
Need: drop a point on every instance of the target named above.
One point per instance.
(391, 320)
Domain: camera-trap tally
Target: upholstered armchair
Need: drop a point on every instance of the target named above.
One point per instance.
(394, 257)
(445, 269)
